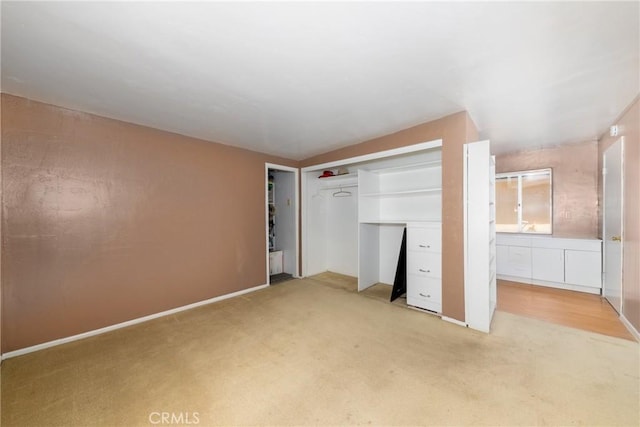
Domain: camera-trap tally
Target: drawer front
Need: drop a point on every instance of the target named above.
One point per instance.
(564, 243)
(424, 292)
(424, 239)
(507, 240)
(424, 264)
(431, 306)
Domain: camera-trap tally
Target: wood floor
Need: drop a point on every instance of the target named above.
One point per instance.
(574, 309)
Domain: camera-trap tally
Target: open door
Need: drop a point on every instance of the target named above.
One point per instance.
(612, 223)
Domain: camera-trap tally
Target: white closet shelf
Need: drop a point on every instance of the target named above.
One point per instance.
(345, 176)
(380, 221)
(339, 180)
(400, 168)
(404, 193)
(403, 221)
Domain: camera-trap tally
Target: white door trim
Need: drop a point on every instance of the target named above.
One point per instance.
(296, 196)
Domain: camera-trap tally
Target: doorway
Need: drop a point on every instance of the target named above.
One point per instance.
(612, 223)
(281, 213)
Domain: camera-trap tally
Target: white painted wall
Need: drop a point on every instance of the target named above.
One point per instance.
(342, 232)
(390, 242)
(331, 228)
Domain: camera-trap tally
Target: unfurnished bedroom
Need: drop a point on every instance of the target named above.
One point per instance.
(319, 213)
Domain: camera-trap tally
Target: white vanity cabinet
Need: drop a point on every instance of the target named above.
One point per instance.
(424, 265)
(547, 264)
(566, 263)
(518, 260)
(583, 267)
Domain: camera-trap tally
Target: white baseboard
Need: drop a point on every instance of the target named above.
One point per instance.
(630, 327)
(106, 329)
(529, 281)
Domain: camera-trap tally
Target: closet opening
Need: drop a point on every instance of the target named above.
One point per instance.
(355, 212)
(281, 213)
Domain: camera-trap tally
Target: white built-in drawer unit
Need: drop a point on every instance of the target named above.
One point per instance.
(565, 263)
(424, 239)
(427, 264)
(425, 293)
(424, 265)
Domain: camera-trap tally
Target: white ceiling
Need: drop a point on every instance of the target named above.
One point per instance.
(298, 79)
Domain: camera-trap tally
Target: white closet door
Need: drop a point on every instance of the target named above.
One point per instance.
(477, 276)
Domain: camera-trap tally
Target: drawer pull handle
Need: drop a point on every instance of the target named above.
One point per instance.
(424, 271)
(423, 295)
(425, 246)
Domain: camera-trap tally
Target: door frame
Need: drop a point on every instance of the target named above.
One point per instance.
(296, 204)
(604, 224)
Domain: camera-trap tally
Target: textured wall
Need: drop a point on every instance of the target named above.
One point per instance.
(629, 124)
(575, 184)
(455, 130)
(105, 221)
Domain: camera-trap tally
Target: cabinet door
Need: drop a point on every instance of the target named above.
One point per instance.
(583, 268)
(518, 262)
(502, 258)
(547, 264)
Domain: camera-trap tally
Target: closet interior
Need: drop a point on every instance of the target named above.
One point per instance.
(356, 211)
(282, 228)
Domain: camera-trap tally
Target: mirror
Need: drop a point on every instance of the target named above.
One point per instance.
(524, 202)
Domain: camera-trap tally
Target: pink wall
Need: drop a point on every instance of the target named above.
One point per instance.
(575, 184)
(105, 221)
(629, 125)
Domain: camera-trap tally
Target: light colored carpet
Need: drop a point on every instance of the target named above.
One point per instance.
(315, 352)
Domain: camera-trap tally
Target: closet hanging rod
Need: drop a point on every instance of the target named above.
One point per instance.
(338, 187)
